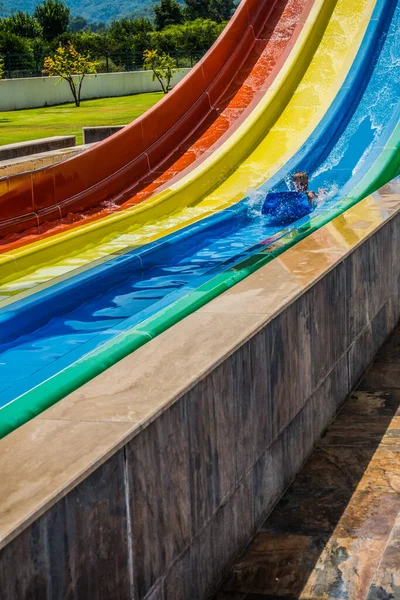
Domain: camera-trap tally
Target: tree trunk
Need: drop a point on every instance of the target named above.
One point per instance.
(73, 90)
(161, 83)
(79, 89)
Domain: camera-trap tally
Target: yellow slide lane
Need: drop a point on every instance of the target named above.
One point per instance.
(279, 125)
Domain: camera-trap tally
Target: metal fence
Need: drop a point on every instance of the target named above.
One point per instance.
(30, 65)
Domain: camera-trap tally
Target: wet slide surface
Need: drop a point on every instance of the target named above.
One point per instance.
(288, 113)
(71, 330)
(248, 72)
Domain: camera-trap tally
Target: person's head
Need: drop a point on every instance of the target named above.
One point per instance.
(300, 181)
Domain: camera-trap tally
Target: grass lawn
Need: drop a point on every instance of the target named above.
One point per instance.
(66, 119)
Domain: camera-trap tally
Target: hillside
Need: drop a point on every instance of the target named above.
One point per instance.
(92, 10)
(4, 11)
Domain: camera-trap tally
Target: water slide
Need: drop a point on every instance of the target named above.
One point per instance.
(77, 301)
(188, 195)
(178, 132)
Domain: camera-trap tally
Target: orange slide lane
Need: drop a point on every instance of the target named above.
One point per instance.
(230, 97)
(256, 75)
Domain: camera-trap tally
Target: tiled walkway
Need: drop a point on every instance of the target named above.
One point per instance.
(336, 532)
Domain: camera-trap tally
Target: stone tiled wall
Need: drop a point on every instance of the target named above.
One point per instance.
(166, 515)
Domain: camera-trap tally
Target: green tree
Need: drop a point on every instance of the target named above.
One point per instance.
(126, 32)
(163, 67)
(17, 52)
(221, 10)
(197, 9)
(170, 40)
(77, 24)
(168, 12)
(1, 67)
(40, 48)
(193, 38)
(216, 10)
(128, 39)
(13, 44)
(53, 16)
(69, 65)
(85, 42)
(91, 43)
(200, 34)
(23, 25)
(98, 27)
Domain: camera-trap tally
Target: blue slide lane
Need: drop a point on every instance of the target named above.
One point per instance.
(49, 331)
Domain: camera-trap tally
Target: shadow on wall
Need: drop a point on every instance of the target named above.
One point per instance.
(328, 533)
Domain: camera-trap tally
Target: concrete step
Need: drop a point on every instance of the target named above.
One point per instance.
(56, 142)
(23, 164)
(97, 134)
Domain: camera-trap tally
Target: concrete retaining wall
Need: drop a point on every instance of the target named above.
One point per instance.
(91, 135)
(19, 149)
(37, 161)
(168, 511)
(34, 92)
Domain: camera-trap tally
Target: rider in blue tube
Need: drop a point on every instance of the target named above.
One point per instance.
(300, 183)
(289, 206)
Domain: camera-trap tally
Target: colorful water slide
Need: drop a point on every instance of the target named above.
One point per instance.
(71, 318)
(246, 158)
(177, 132)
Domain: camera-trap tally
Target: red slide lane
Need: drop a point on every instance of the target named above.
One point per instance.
(167, 140)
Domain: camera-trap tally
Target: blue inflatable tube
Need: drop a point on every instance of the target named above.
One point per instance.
(286, 207)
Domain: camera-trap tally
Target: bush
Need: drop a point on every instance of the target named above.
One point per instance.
(191, 38)
(103, 63)
(69, 65)
(162, 66)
